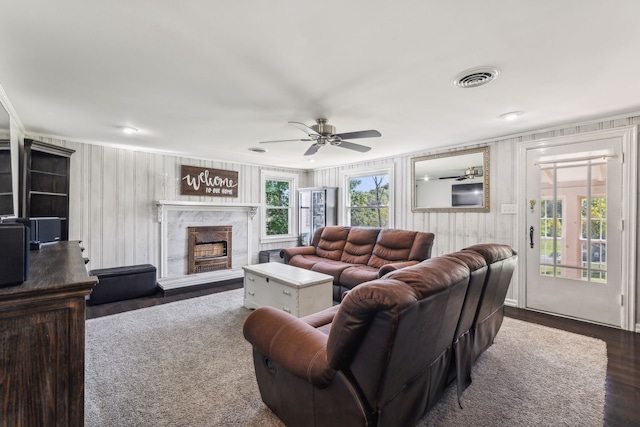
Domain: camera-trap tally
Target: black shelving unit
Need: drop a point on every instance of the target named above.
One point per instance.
(45, 182)
(6, 189)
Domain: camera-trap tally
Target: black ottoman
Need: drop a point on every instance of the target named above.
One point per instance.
(121, 283)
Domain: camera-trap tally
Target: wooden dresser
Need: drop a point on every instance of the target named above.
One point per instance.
(42, 339)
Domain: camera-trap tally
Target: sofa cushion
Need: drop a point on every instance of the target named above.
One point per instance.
(392, 245)
(322, 319)
(359, 245)
(333, 268)
(355, 275)
(331, 243)
(305, 261)
(422, 245)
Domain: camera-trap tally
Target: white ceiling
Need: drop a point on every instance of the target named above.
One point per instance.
(211, 79)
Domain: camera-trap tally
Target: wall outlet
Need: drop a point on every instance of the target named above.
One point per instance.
(508, 209)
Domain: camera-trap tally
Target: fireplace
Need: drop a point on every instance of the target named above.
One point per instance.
(209, 248)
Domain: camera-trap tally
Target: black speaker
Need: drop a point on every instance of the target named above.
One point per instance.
(43, 230)
(14, 254)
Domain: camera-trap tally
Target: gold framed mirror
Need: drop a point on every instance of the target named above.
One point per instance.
(456, 181)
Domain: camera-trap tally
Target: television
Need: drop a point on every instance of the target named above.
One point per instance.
(467, 194)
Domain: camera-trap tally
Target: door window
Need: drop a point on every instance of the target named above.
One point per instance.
(572, 219)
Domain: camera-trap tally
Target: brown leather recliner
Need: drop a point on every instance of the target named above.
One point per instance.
(463, 353)
(380, 358)
(492, 266)
(501, 261)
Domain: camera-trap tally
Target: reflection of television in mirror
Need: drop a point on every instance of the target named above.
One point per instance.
(467, 194)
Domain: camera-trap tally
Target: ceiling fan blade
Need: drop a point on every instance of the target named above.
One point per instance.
(285, 140)
(360, 134)
(312, 150)
(304, 128)
(450, 177)
(352, 146)
(461, 178)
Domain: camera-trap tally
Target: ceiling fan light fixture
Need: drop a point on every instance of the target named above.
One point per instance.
(323, 128)
(475, 77)
(472, 172)
(322, 133)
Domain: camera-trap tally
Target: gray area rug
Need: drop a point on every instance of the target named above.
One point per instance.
(186, 363)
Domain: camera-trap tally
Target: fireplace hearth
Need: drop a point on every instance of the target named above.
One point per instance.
(209, 248)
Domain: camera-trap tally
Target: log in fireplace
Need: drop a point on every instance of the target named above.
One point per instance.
(209, 248)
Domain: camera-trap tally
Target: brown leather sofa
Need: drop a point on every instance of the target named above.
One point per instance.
(354, 255)
(385, 355)
(501, 262)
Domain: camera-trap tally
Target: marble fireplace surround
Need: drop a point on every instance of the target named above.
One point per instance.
(174, 218)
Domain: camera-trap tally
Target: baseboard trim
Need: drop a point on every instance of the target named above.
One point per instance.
(511, 302)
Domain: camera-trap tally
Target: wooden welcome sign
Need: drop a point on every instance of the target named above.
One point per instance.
(197, 181)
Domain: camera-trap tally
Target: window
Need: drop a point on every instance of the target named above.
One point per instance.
(551, 236)
(550, 233)
(594, 235)
(278, 204)
(368, 201)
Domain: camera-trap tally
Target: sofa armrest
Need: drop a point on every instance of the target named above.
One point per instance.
(387, 268)
(291, 343)
(288, 253)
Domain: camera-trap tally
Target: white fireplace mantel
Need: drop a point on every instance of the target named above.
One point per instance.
(165, 206)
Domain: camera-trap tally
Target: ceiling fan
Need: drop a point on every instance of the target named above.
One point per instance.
(470, 173)
(322, 133)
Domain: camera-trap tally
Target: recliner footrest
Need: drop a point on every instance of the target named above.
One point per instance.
(122, 283)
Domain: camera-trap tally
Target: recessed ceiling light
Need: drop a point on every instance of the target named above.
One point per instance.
(258, 149)
(475, 77)
(129, 130)
(312, 160)
(512, 115)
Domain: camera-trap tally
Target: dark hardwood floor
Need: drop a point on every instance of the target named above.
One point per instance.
(622, 401)
(622, 388)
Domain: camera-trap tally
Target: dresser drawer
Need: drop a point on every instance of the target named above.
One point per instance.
(283, 297)
(260, 291)
(255, 287)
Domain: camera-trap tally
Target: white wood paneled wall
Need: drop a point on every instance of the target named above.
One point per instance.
(113, 196)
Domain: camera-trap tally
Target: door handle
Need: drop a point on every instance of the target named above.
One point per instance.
(531, 235)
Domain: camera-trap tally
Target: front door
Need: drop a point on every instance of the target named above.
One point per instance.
(574, 230)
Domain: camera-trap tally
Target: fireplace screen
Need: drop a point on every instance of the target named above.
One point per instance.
(209, 248)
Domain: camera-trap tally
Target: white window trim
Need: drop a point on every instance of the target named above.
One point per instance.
(345, 176)
(293, 225)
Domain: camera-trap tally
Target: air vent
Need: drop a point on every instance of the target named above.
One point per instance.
(476, 77)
